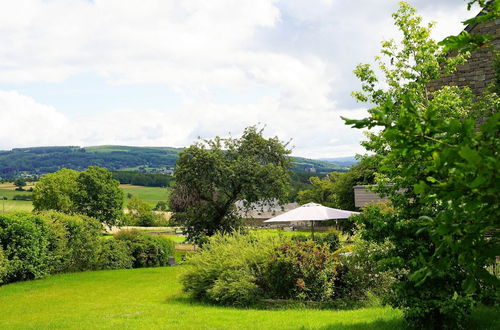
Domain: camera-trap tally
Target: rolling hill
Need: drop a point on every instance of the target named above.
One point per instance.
(41, 160)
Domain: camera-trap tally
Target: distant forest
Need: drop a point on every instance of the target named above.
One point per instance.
(42, 160)
(143, 179)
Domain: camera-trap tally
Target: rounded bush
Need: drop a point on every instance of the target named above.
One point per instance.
(229, 269)
(114, 254)
(146, 250)
(75, 241)
(24, 241)
(301, 270)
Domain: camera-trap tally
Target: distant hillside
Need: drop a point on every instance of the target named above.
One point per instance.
(342, 161)
(41, 160)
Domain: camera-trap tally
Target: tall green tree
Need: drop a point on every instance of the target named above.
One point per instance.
(92, 192)
(98, 195)
(54, 191)
(212, 176)
(439, 167)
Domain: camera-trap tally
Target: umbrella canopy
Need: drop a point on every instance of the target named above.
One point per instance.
(312, 212)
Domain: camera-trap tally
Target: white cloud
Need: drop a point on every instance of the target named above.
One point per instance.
(301, 51)
(28, 123)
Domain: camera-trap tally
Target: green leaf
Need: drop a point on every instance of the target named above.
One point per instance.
(470, 155)
(420, 188)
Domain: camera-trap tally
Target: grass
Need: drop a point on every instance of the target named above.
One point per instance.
(9, 205)
(15, 206)
(152, 195)
(152, 298)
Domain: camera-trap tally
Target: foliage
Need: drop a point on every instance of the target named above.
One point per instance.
(3, 266)
(467, 42)
(92, 192)
(330, 239)
(440, 171)
(142, 179)
(161, 206)
(23, 239)
(359, 274)
(20, 183)
(54, 191)
(244, 269)
(301, 270)
(141, 213)
(75, 241)
(114, 254)
(336, 189)
(146, 250)
(211, 177)
(228, 268)
(98, 195)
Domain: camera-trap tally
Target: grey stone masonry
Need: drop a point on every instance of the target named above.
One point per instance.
(479, 71)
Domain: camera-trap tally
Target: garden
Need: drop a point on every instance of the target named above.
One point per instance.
(426, 258)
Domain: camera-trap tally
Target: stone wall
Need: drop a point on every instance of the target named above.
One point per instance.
(478, 72)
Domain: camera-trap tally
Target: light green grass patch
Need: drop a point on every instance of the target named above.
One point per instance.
(152, 195)
(152, 298)
(15, 206)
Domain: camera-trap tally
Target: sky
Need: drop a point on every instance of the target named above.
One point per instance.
(166, 72)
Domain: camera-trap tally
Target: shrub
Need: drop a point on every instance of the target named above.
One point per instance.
(114, 254)
(301, 270)
(146, 250)
(3, 266)
(358, 273)
(75, 241)
(24, 241)
(229, 269)
(161, 206)
(331, 239)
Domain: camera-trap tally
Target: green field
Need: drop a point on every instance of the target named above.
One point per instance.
(9, 205)
(152, 195)
(152, 298)
(15, 206)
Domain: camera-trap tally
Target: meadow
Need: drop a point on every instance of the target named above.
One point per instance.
(151, 195)
(9, 205)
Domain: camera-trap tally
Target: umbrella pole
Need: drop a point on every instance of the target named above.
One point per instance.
(312, 230)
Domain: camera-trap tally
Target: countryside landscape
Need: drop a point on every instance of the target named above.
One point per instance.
(249, 165)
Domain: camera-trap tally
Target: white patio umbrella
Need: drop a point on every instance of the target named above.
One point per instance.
(312, 212)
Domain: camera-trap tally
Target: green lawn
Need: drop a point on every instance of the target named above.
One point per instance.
(152, 195)
(152, 298)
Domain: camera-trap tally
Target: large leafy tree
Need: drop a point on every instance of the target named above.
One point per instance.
(439, 167)
(92, 192)
(54, 191)
(211, 176)
(98, 195)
